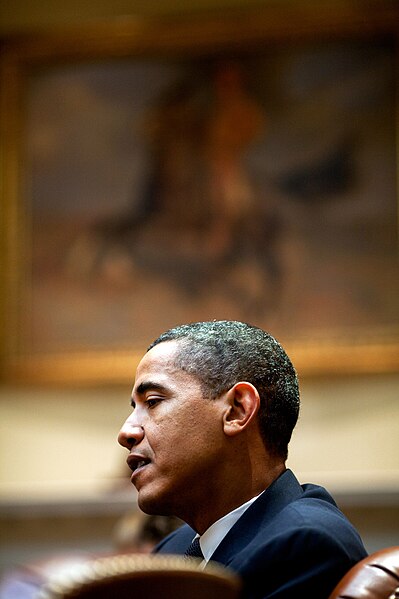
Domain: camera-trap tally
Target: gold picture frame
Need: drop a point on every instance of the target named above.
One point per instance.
(32, 68)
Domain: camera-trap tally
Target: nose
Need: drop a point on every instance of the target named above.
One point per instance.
(131, 433)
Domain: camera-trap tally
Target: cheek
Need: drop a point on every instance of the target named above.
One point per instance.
(185, 436)
(175, 436)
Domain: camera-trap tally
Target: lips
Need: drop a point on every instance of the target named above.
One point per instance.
(137, 461)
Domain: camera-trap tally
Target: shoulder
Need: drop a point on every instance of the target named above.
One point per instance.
(292, 521)
(314, 515)
(303, 550)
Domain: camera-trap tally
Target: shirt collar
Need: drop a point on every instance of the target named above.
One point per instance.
(219, 529)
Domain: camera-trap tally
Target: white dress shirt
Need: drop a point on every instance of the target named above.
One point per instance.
(213, 536)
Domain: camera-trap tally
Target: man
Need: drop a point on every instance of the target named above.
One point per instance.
(214, 406)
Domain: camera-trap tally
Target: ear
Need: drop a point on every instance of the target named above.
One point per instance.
(243, 403)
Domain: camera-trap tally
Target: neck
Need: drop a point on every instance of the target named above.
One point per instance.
(229, 495)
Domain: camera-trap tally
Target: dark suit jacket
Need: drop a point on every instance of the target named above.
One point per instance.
(291, 542)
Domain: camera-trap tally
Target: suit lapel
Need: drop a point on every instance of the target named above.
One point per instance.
(281, 492)
(177, 542)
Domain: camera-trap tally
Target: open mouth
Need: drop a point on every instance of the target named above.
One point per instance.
(137, 462)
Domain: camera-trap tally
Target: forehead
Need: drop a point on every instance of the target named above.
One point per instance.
(159, 364)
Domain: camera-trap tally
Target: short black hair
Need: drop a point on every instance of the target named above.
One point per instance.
(220, 353)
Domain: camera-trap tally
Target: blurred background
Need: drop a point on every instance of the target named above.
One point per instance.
(173, 161)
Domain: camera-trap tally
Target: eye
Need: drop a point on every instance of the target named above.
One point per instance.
(152, 402)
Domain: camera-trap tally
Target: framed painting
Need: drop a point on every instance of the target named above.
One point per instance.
(164, 172)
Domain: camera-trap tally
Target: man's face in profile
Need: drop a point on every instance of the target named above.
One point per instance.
(174, 436)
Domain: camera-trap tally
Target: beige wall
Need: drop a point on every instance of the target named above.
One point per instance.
(347, 433)
(55, 441)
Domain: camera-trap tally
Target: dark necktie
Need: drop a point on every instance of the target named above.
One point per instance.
(194, 549)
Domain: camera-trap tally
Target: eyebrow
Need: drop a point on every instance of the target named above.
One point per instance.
(147, 385)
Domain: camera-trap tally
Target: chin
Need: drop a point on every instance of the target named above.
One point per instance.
(154, 504)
